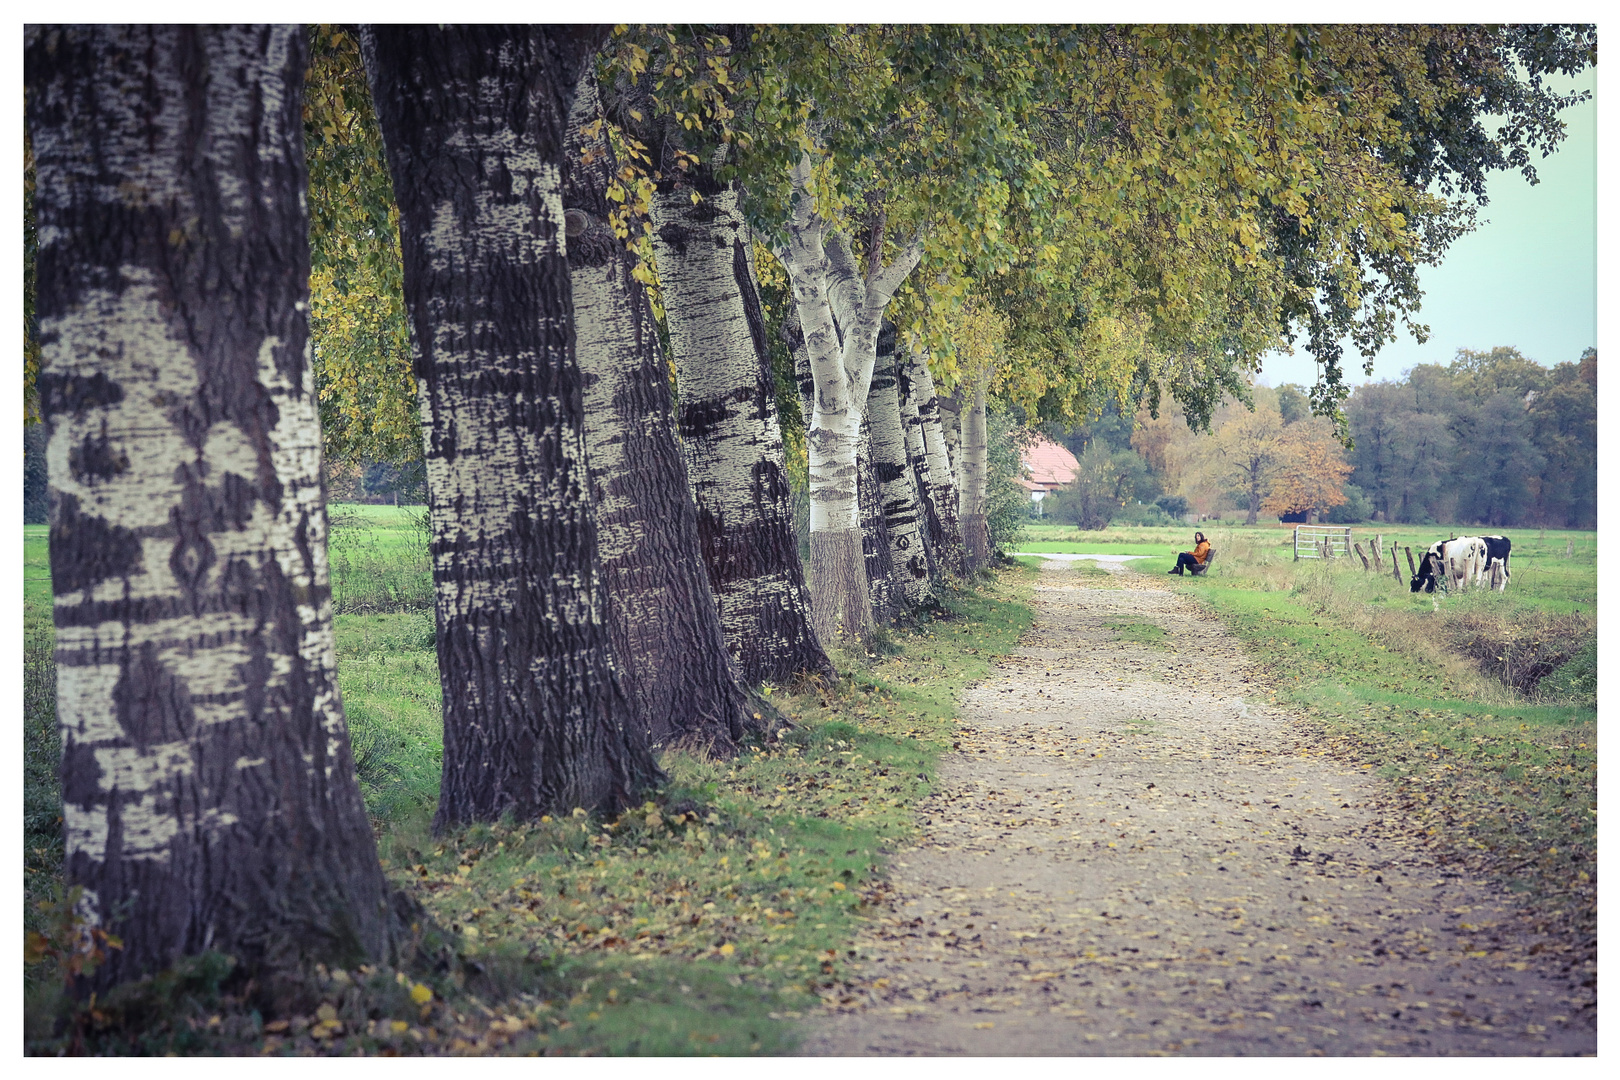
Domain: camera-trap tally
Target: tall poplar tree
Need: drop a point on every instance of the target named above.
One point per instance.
(209, 796)
(666, 625)
(474, 120)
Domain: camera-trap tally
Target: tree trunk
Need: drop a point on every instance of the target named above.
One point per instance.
(950, 419)
(666, 626)
(975, 475)
(896, 484)
(209, 796)
(842, 357)
(877, 552)
(803, 379)
(1254, 498)
(474, 122)
(917, 464)
(938, 484)
(731, 436)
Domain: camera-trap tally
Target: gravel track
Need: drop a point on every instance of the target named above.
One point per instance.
(1127, 856)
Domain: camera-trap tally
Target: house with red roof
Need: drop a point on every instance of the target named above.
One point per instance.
(1049, 467)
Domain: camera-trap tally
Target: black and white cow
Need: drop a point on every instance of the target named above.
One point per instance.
(1428, 570)
(1496, 547)
(1454, 563)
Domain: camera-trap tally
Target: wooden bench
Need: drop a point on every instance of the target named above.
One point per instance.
(1198, 571)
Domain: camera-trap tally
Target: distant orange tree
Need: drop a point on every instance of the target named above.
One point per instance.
(1310, 472)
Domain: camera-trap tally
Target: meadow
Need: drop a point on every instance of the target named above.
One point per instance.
(713, 917)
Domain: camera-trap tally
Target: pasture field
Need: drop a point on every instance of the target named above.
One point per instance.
(707, 921)
(1479, 707)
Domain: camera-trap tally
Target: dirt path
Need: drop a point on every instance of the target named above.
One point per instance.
(1125, 857)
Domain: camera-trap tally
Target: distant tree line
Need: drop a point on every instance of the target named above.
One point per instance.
(1493, 439)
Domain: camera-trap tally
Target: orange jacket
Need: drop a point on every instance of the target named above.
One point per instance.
(1201, 553)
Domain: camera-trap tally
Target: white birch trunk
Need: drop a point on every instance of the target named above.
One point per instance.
(975, 470)
(917, 462)
(876, 554)
(666, 625)
(536, 720)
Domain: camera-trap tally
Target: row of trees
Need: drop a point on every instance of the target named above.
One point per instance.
(1491, 439)
(502, 240)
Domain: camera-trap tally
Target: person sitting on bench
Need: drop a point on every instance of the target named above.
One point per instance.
(1198, 556)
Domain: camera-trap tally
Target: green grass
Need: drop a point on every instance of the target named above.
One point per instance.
(711, 920)
(743, 880)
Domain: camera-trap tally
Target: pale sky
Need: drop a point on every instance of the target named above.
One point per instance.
(1526, 277)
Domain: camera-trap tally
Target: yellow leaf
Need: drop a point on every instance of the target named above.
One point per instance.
(421, 994)
(727, 949)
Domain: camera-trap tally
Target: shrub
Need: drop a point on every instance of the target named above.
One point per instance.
(1143, 514)
(1356, 508)
(1173, 505)
(1575, 679)
(1521, 648)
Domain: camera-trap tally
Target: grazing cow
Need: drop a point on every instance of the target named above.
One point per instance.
(1429, 567)
(1496, 547)
(1424, 581)
(1464, 560)
(1453, 563)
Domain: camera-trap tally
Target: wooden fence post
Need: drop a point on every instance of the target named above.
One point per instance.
(1395, 563)
(1296, 543)
(1378, 553)
(1569, 548)
(1365, 565)
(1410, 565)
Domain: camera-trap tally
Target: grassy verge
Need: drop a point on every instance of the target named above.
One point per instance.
(710, 920)
(1497, 781)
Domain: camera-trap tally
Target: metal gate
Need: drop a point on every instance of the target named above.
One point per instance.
(1321, 541)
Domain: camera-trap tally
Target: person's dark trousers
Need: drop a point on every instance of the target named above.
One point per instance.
(1185, 559)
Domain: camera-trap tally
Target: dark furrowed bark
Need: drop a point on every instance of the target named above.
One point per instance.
(732, 438)
(836, 563)
(474, 121)
(666, 626)
(208, 783)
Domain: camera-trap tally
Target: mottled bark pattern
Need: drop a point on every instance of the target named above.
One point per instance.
(897, 485)
(207, 781)
(877, 549)
(935, 477)
(975, 472)
(474, 121)
(666, 627)
(732, 437)
(928, 524)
